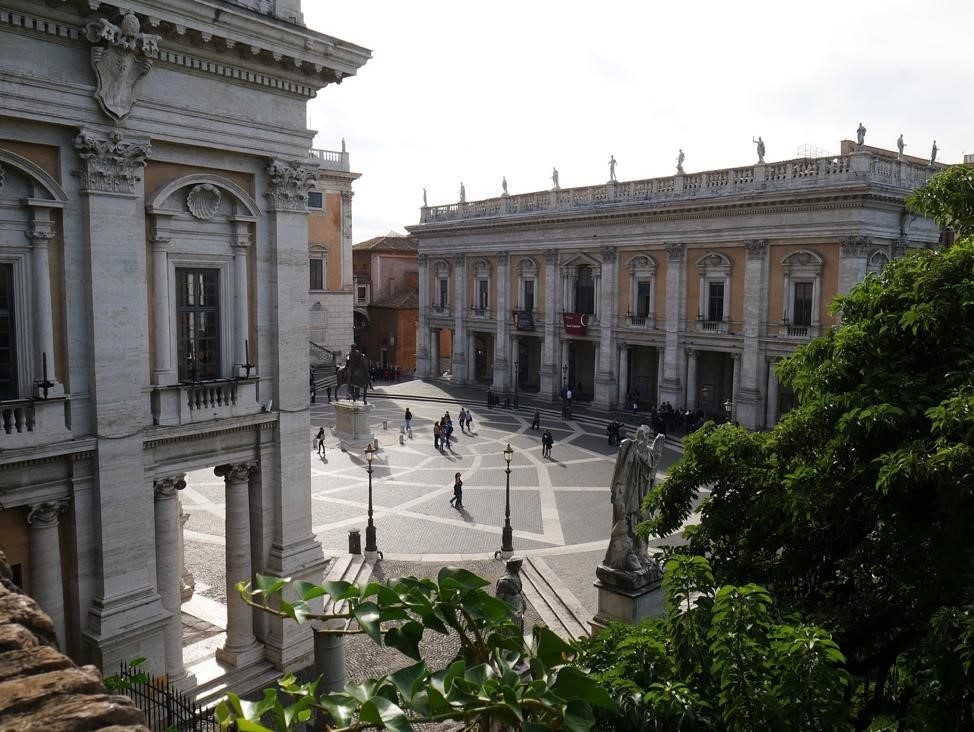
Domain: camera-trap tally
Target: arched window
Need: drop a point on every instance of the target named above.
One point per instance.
(527, 285)
(802, 294)
(877, 260)
(642, 276)
(713, 309)
(481, 292)
(441, 295)
(318, 268)
(584, 290)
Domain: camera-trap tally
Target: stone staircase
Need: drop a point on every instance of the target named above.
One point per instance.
(559, 609)
(323, 362)
(243, 682)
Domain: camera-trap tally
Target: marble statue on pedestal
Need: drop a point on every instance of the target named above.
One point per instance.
(634, 475)
(679, 162)
(463, 193)
(554, 178)
(860, 136)
(899, 146)
(760, 144)
(425, 204)
(510, 589)
(933, 153)
(612, 168)
(504, 185)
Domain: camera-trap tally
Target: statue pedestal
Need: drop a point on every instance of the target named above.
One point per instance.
(627, 597)
(352, 424)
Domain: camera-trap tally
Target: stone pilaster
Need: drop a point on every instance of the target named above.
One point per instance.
(623, 374)
(160, 236)
(291, 549)
(550, 378)
(502, 356)
(606, 391)
(125, 611)
(241, 648)
(47, 580)
(772, 403)
(460, 353)
(747, 400)
(671, 385)
(736, 384)
(853, 256)
(423, 358)
(169, 571)
(347, 275)
(240, 244)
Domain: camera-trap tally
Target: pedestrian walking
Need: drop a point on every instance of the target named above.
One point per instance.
(320, 441)
(547, 440)
(469, 419)
(408, 418)
(314, 391)
(536, 423)
(328, 392)
(457, 500)
(462, 419)
(436, 435)
(447, 431)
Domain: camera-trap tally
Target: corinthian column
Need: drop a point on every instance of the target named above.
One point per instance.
(40, 233)
(241, 648)
(241, 320)
(423, 359)
(169, 570)
(45, 561)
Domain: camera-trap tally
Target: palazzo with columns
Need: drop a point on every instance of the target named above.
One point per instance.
(153, 299)
(685, 289)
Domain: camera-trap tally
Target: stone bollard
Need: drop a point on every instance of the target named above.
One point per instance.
(402, 439)
(410, 433)
(354, 542)
(375, 445)
(385, 424)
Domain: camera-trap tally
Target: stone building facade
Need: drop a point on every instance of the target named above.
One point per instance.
(154, 172)
(686, 289)
(387, 287)
(330, 251)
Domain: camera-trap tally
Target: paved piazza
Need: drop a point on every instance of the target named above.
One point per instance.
(560, 508)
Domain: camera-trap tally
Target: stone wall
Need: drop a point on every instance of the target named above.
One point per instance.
(41, 688)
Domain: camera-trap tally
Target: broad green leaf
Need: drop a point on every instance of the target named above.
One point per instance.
(367, 616)
(308, 591)
(268, 585)
(340, 590)
(457, 577)
(406, 638)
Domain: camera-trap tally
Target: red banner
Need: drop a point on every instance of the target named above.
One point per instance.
(574, 323)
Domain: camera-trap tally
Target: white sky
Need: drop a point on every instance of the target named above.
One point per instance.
(461, 91)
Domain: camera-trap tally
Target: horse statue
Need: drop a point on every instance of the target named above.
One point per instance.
(354, 374)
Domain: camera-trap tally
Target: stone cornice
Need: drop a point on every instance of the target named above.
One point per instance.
(159, 436)
(210, 38)
(685, 210)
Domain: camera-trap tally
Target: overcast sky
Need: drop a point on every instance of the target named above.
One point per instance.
(471, 92)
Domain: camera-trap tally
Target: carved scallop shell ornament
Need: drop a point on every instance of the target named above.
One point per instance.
(203, 201)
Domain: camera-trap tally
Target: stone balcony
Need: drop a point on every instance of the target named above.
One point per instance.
(800, 173)
(331, 159)
(204, 401)
(32, 422)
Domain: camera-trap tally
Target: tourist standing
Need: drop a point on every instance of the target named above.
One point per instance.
(320, 441)
(408, 418)
(436, 435)
(457, 500)
(547, 440)
(536, 424)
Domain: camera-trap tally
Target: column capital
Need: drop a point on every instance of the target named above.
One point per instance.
(236, 472)
(110, 165)
(40, 233)
(289, 184)
(165, 488)
(45, 515)
(756, 248)
(502, 258)
(854, 246)
(551, 256)
(735, 356)
(423, 259)
(674, 250)
(460, 260)
(692, 352)
(608, 253)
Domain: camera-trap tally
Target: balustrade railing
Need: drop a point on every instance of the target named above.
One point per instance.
(17, 417)
(330, 159)
(637, 322)
(202, 401)
(32, 422)
(728, 181)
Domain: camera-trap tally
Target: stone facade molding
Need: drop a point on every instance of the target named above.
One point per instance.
(203, 200)
(46, 514)
(674, 250)
(290, 182)
(855, 246)
(237, 472)
(110, 165)
(124, 55)
(756, 248)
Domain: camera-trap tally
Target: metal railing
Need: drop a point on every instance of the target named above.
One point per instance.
(164, 707)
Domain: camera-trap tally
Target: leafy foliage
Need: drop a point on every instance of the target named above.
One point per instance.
(497, 676)
(856, 509)
(721, 659)
(948, 199)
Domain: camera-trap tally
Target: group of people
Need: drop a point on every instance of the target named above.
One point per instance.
(494, 401)
(547, 440)
(443, 427)
(615, 430)
(632, 400)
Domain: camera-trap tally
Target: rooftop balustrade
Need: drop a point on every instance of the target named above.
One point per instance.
(761, 178)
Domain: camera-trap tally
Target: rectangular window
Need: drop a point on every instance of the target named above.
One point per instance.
(198, 324)
(643, 294)
(8, 360)
(315, 199)
(317, 274)
(528, 296)
(715, 301)
(482, 294)
(802, 312)
(444, 291)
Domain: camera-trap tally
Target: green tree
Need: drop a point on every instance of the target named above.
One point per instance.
(720, 659)
(856, 509)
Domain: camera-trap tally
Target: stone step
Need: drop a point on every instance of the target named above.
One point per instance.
(243, 682)
(350, 568)
(559, 609)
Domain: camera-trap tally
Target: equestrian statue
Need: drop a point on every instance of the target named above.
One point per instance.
(354, 374)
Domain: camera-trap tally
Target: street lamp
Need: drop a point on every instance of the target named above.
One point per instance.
(564, 375)
(507, 535)
(515, 381)
(370, 545)
(729, 409)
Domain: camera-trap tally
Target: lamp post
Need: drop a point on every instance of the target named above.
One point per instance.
(507, 535)
(729, 409)
(564, 375)
(370, 545)
(515, 381)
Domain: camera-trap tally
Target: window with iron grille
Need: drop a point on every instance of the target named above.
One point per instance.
(317, 274)
(715, 301)
(585, 291)
(644, 291)
(198, 324)
(802, 311)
